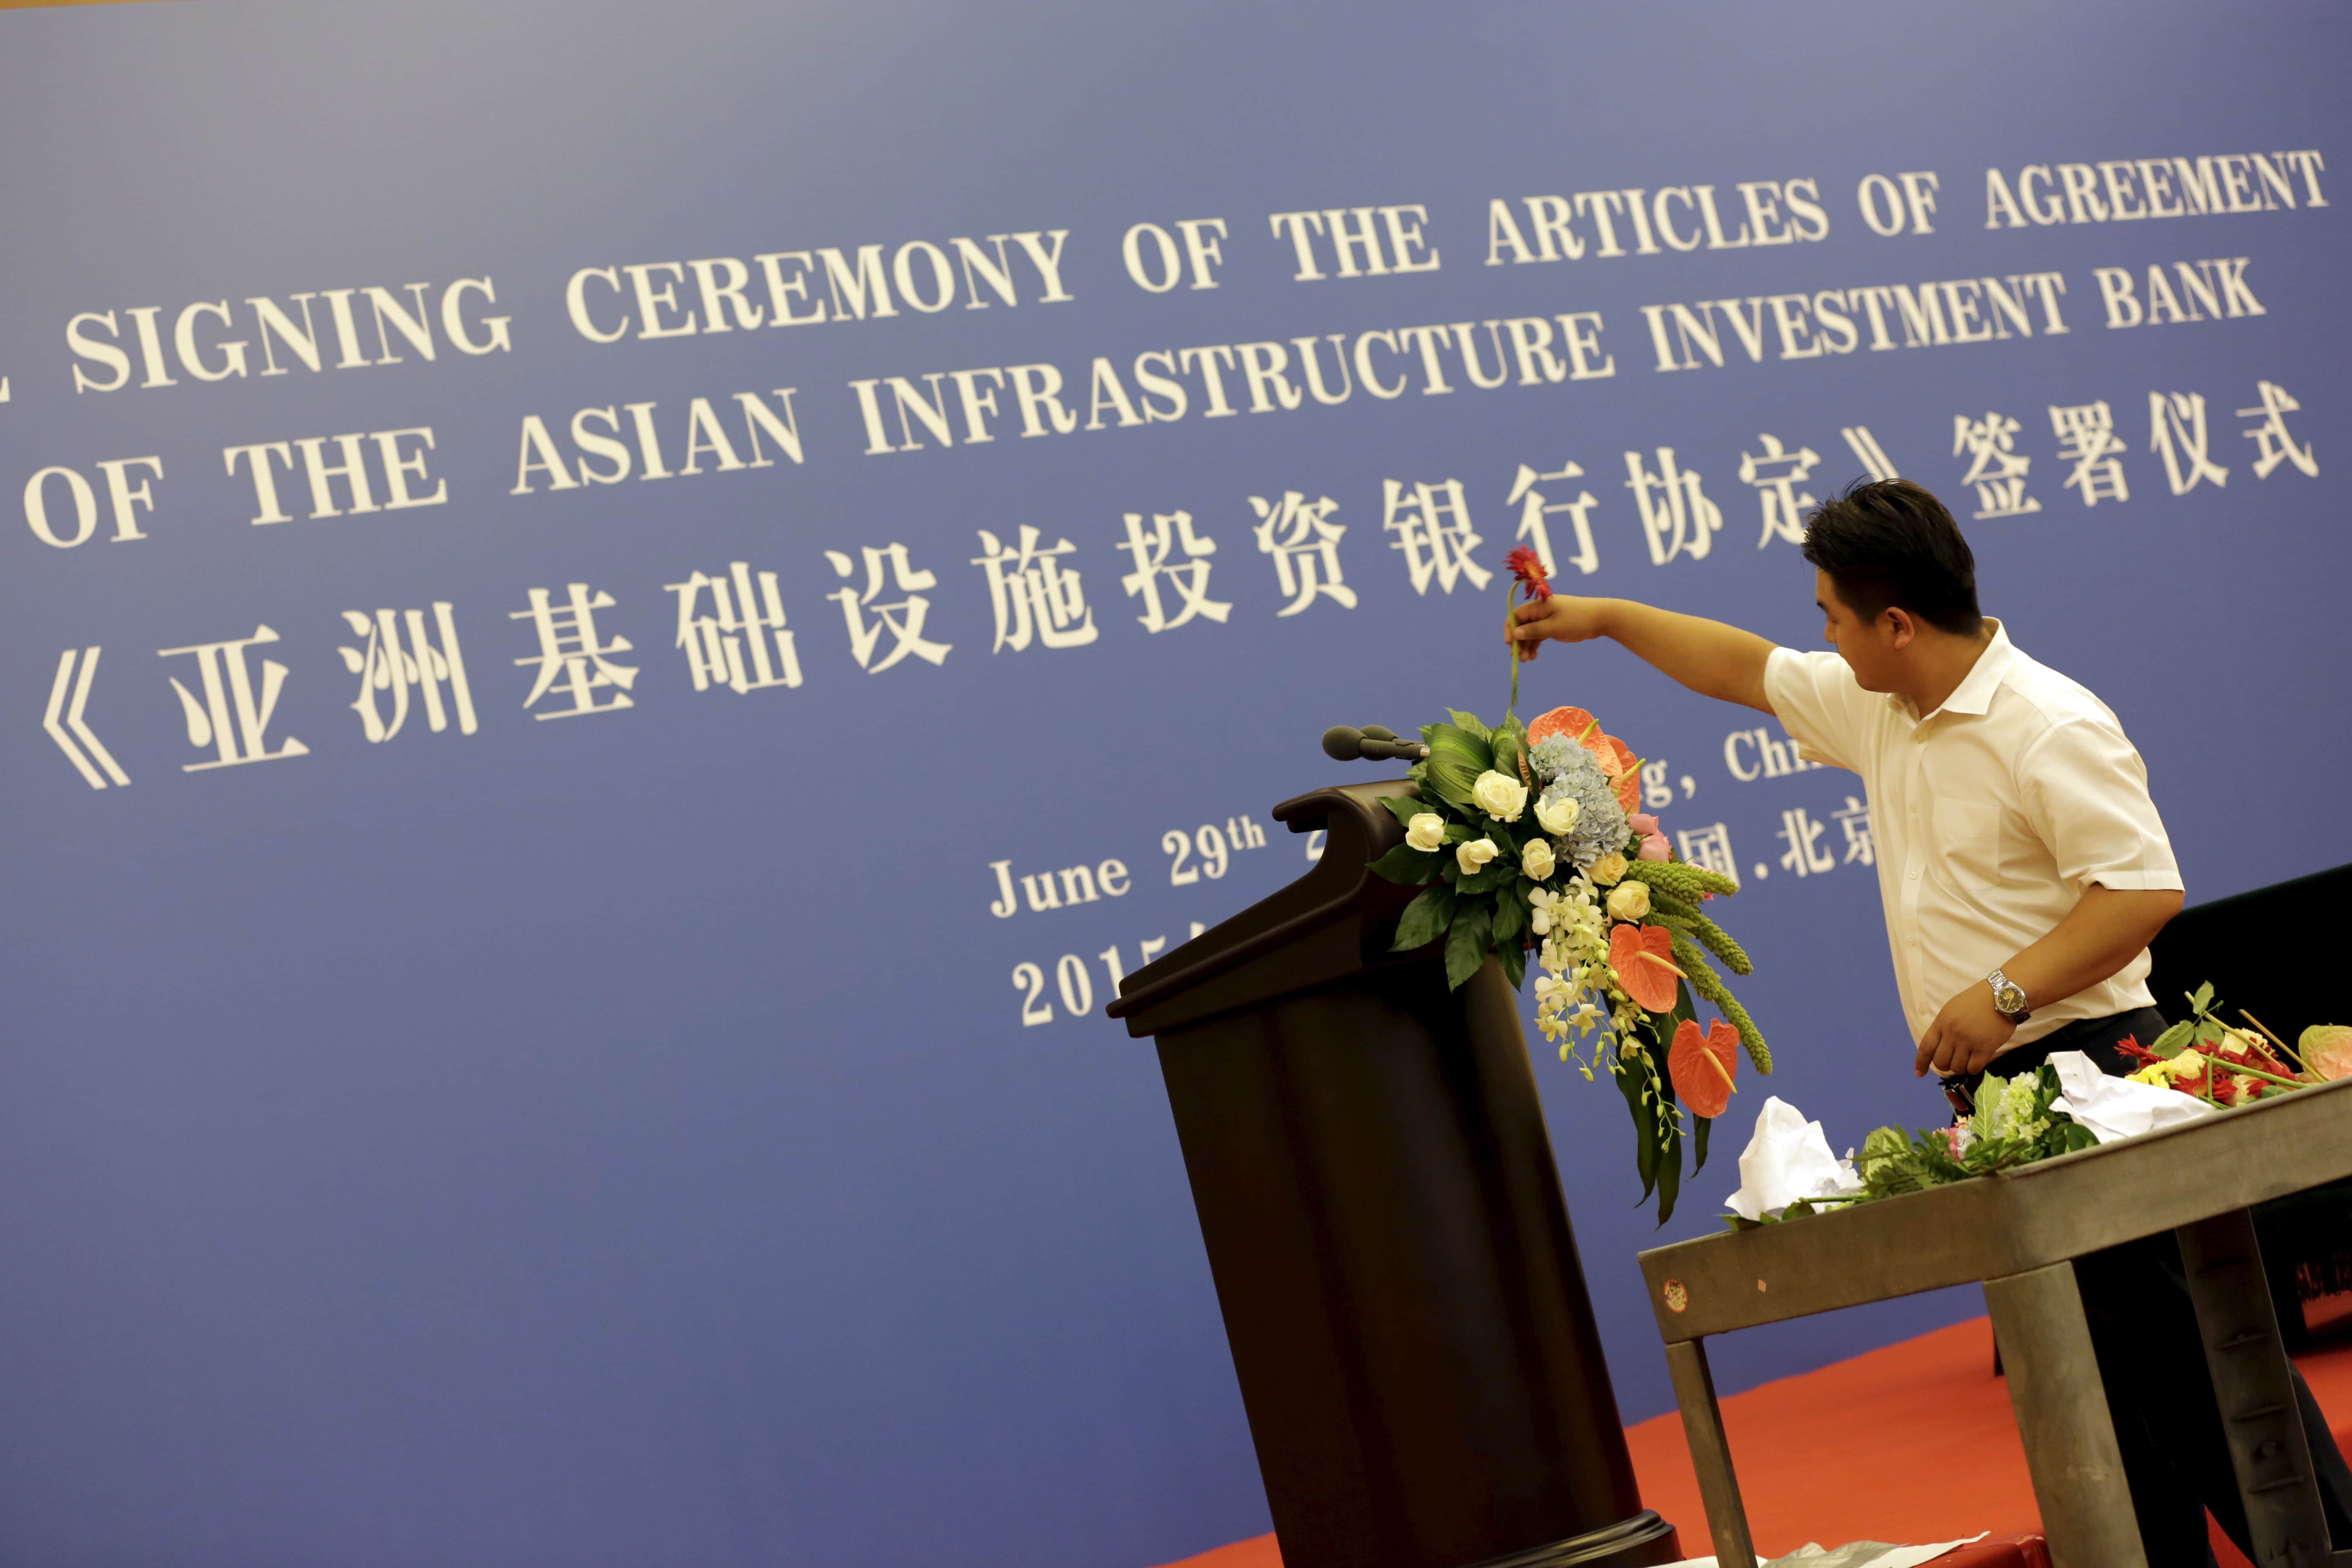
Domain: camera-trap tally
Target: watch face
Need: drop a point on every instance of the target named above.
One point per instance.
(2008, 998)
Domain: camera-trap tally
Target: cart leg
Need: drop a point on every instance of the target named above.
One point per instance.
(2254, 1384)
(2061, 1415)
(1727, 1517)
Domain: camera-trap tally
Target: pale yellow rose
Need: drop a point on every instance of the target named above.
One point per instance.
(1628, 900)
(1557, 815)
(1608, 870)
(1425, 831)
(1499, 796)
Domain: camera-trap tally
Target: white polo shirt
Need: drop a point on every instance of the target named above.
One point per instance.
(1992, 815)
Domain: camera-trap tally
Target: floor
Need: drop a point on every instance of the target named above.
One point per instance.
(1926, 1416)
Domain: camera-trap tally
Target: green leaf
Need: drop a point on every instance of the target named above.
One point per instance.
(1457, 758)
(1670, 1166)
(1459, 833)
(2202, 1001)
(1670, 1145)
(1700, 1127)
(1470, 724)
(1453, 777)
(1495, 874)
(1507, 748)
(2173, 1041)
(1515, 964)
(1467, 939)
(1630, 1083)
(1406, 865)
(1510, 913)
(1424, 920)
(1403, 808)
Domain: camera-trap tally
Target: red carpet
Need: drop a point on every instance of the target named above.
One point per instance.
(1912, 1443)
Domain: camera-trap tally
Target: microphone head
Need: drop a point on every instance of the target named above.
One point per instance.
(1343, 744)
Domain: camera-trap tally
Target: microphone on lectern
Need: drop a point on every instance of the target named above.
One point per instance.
(1374, 744)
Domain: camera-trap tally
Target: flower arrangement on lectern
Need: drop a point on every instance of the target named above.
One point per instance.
(1524, 838)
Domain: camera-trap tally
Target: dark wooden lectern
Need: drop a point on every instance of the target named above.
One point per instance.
(1400, 1289)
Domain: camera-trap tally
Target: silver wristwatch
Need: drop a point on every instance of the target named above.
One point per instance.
(2007, 997)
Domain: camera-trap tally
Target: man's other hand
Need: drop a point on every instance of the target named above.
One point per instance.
(1561, 617)
(1964, 1035)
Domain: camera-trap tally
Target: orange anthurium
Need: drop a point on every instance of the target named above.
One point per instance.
(1574, 723)
(1642, 957)
(1615, 756)
(1702, 1066)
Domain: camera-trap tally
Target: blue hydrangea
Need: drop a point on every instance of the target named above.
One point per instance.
(1570, 772)
(1549, 756)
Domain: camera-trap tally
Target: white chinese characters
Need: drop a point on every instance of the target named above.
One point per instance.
(1033, 595)
(233, 719)
(903, 618)
(1187, 577)
(1305, 545)
(571, 651)
(388, 671)
(730, 645)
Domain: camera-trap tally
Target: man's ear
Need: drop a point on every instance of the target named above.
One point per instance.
(1899, 626)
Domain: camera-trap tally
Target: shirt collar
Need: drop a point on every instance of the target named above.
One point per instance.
(1974, 693)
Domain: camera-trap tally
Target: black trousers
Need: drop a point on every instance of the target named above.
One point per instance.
(2145, 1332)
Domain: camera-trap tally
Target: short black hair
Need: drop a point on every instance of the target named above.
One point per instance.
(1888, 542)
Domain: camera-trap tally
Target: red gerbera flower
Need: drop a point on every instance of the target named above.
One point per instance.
(1528, 566)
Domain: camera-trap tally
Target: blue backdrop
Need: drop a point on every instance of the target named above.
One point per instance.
(562, 1131)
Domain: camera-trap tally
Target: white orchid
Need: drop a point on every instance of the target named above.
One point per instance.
(1543, 905)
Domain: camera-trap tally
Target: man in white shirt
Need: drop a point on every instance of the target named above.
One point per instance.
(2022, 870)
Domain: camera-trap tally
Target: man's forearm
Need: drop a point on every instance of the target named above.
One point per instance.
(1710, 657)
(2102, 933)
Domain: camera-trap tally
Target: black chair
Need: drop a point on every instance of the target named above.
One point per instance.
(2260, 950)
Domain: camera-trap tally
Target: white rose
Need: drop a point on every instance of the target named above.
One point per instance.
(1536, 860)
(1470, 856)
(1557, 815)
(1425, 831)
(1499, 796)
(1628, 900)
(1610, 868)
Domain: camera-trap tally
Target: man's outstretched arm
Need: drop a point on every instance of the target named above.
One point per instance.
(1711, 659)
